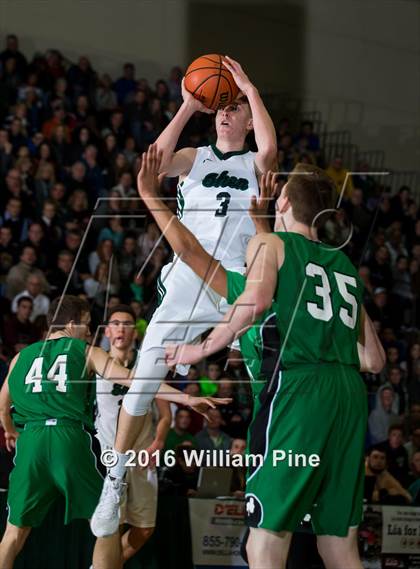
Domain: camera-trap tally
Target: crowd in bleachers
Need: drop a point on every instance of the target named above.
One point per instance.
(71, 140)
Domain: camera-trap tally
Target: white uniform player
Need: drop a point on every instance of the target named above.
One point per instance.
(214, 195)
(140, 504)
(213, 202)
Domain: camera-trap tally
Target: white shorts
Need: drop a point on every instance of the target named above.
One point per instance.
(140, 505)
(188, 307)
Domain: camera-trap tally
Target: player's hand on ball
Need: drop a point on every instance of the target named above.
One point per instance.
(203, 404)
(193, 103)
(10, 438)
(148, 178)
(241, 78)
(183, 354)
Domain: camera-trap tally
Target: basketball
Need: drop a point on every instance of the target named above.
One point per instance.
(210, 82)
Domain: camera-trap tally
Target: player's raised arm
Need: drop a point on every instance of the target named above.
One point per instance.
(265, 133)
(265, 255)
(182, 241)
(179, 163)
(371, 353)
(10, 433)
(107, 367)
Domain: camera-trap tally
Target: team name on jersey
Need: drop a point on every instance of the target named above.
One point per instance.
(223, 180)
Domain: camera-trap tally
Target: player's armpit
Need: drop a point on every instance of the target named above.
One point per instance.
(103, 364)
(180, 163)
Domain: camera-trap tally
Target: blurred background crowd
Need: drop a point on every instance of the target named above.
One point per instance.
(71, 140)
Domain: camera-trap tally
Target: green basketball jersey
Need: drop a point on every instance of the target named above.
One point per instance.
(319, 299)
(50, 381)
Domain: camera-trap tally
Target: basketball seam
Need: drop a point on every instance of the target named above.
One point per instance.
(218, 82)
(202, 82)
(199, 69)
(208, 59)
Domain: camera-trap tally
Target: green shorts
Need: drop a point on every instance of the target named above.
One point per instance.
(319, 411)
(51, 461)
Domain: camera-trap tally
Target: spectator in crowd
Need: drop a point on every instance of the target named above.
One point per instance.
(234, 424)
(181, 479)
(126, 84)
(19, 331)
(180, 431)
(413, 445)
(14, 218)
(238, 484)
(414, 487)
(380, 486)
(61, 278)
(18, 275)
(341, 176)
(209, 382)
(382, 417)
(395, 380)
(212, 437)
(397, 456)
(12, 52)
(34, 290)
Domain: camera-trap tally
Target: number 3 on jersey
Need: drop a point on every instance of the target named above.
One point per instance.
(57, 373)
(225, 200)
(325, 311)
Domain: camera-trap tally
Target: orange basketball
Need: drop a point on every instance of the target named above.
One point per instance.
(210, 82)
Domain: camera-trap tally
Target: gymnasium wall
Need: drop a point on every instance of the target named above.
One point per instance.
(358, 61)
(150, 33)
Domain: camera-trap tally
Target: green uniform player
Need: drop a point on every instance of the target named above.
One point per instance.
(53, 396)
(51, 385)
(311, 423)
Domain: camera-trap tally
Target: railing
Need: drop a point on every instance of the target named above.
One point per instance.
(397, 179)
(338, 143)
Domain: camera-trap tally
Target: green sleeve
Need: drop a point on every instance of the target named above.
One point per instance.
(235, 285)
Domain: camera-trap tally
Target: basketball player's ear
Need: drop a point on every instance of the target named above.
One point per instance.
(250, 125)
(107, 332)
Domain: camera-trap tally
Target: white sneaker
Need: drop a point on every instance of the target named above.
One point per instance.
(106, 517)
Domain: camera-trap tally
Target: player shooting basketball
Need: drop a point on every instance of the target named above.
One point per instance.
(216, 184)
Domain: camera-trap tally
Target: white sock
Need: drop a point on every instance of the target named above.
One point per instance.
(118, 470)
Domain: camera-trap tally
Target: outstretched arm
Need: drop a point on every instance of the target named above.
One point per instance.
(182, 241)
(265, 256)
(108, 368)
(179, 163)
(371, 353)
(265, 133)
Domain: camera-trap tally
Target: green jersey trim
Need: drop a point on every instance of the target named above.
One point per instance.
(226, 155)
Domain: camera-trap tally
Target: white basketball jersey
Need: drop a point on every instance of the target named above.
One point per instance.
(109, 398)
(213, 202)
